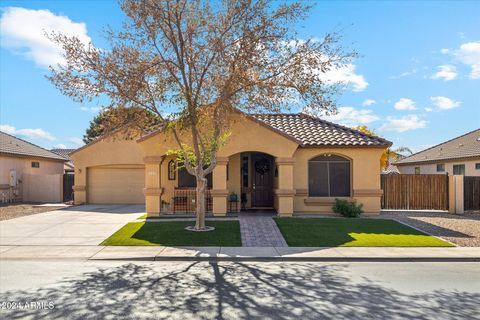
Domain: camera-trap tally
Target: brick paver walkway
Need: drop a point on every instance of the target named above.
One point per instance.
(260, 231)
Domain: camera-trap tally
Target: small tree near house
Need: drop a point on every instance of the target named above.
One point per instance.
(388, 153)
(133, 121)
(193, 63)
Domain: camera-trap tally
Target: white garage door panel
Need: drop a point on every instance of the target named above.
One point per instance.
(116, 185)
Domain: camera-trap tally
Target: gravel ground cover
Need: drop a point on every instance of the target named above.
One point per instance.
(15, 210)
(462, 230)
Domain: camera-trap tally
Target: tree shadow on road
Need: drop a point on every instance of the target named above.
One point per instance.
(234, 291)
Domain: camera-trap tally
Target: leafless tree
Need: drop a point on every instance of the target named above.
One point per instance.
(194, 62)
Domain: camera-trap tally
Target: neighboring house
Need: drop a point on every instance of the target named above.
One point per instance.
(289, 162)
(460, 156)
(69, 166)
(390, 169)
(29, 172)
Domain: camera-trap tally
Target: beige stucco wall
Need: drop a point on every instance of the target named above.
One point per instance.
(365, 178)
(431, 168)
(112, 151)
(38, 192)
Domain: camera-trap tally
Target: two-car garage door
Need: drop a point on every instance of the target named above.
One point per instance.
(115, 185)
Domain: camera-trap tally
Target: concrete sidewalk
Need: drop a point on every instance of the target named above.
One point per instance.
(160, 253)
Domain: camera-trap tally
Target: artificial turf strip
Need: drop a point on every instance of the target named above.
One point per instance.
(353, 232)
(173, 233)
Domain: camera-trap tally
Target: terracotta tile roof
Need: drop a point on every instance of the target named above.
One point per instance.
(15, 146)
(311, 131)
(465, 146)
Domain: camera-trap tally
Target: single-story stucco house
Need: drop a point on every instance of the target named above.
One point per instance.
(29, 172)
(293, 163)
(458, 156)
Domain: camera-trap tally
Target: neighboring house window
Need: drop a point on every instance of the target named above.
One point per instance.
(172, 170)
(459, 169)
(186, 180)
(329, 176)
(477, 166)
(441, 167)
(35, 164)
(417, 170)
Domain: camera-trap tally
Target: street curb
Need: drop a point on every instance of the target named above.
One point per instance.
(295, 259)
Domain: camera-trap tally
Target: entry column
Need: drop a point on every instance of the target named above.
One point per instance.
(220, 192)
(285, 192)
(153, 188)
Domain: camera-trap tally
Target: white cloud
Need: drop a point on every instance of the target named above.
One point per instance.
(469, 54)
(445, 50)
(351, 117)
(368, 102)
(91, 109)
(405, 104)
(428, 109)
(446, 72)
(23, 32)
(444, 103)
(405, 74)
(60, 146)
(27, 132)
(77, 141)
(346, 75)
(402, 124)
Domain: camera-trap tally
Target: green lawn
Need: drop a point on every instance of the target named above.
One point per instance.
(344, 232)
(173, 233)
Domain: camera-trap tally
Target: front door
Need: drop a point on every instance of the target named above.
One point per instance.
(262, 182)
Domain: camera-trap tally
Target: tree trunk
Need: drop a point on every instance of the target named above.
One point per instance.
(200, 203)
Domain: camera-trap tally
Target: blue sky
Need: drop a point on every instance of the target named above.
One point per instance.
(416, 82)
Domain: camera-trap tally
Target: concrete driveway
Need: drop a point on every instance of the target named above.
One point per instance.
(79, 225)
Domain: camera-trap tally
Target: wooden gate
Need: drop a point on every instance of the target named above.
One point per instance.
(415, 191)
(68, 179)
(471, 193)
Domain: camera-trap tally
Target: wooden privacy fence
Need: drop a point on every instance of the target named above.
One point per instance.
(471, 193)
(415, 192)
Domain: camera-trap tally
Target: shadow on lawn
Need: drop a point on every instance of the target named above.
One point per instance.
(173, 233)
(235, 290)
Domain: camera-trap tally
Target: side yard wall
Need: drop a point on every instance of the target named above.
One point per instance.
(48, 171)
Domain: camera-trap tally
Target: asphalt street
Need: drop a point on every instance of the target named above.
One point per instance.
(74, 289)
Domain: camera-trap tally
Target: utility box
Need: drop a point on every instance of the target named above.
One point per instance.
(13, 178)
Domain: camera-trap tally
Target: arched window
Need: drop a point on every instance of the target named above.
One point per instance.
(329, 176)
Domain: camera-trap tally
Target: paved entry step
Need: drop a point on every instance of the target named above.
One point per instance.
(260, 231)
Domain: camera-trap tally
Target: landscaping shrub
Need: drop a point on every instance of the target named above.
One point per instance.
(347, 209)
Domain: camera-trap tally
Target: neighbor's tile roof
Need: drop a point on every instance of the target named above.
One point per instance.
(465, 146)
(66, 154)
(311, 131)
(15, 146)
(63, 152)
